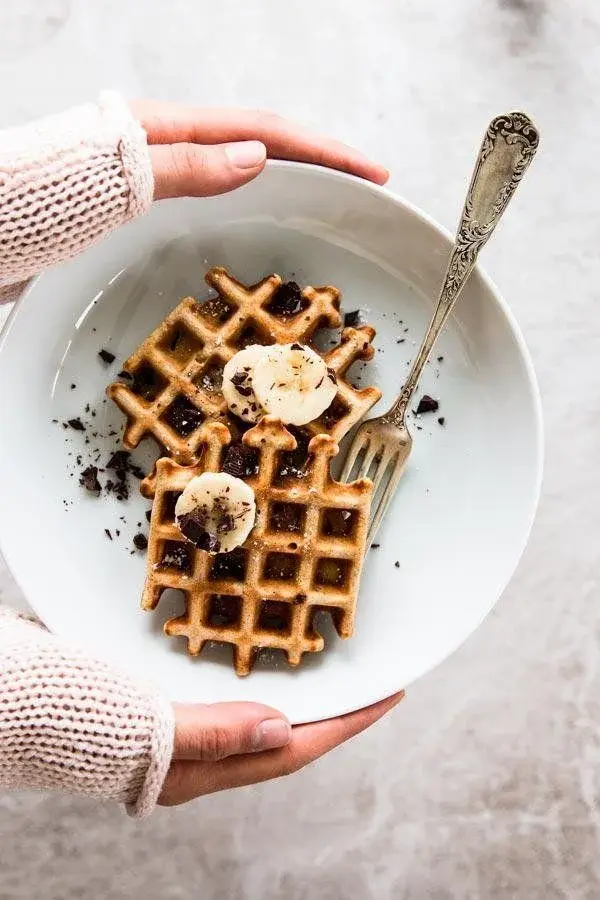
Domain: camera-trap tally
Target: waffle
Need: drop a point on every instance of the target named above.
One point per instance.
(175, 375)
(304, 554)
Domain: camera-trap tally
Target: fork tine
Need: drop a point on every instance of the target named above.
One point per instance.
(371, 451)
(359, 443)
(382, 466)
(385, 500)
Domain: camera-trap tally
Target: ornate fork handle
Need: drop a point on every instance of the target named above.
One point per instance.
(508, 147)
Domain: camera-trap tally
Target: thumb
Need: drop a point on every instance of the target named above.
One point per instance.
(209, 732)
(199, 170)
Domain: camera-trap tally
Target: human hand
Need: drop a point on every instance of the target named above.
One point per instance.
(227, 745)
(199, 152)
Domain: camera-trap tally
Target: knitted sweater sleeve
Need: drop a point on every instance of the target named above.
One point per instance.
(72, 723)
(65, 181)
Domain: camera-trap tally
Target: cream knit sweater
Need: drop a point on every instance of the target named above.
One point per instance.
(69, 722)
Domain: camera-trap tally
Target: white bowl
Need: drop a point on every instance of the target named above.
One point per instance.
(464, 509)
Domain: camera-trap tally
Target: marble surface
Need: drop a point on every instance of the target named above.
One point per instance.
(484, 783)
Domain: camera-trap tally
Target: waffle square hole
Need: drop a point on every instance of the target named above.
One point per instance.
(287, 517)
(275, 616)
(210, 379)
(229, 566)
(334, 413)
(180, 344)
(182, 416)
(252, 335)
(167, 512)
(240, 460)
(338, 523)
(224, 611)
(332, 573)
(281, 567)
(215, 311)
(147, 383)
(177, 556)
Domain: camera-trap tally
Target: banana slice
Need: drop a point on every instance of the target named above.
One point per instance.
(292, 382)
(237, 383)
(216, 512)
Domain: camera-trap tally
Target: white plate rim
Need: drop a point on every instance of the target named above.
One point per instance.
(534, 398)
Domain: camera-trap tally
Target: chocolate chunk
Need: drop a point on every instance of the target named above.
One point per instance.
(239, 380)
(292, 463)
(427, 405)
(89, 480)
(183, 416)
(288, 300)
(76, 424)
(108, 534)
(225, 523)
(106, 356)
(193, 526)
(119, 463)
(353, 319)
(240, 460)
(140, 541)
(442, 420)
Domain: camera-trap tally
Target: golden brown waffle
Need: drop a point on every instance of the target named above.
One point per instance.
(304, 554)
(175, 375)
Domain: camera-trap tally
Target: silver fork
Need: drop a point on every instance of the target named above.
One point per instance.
(508, 147)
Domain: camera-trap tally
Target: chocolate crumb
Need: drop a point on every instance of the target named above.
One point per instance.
(148, 514)
(296, 347)
(140, 541)
(299, 598)
(76, 424)
(89, 480)
(108, 534)
(106, 356)
(401, 340)
(353, 319)
(375, 546)
(442, 420)
(440, 359)
(73, 386)
(397, 564)
(126, 375)
(427, 405)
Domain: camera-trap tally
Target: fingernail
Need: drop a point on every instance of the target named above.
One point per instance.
(270, 734)
(246, 155)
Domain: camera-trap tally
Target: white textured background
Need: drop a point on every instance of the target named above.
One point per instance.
(484, 783)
